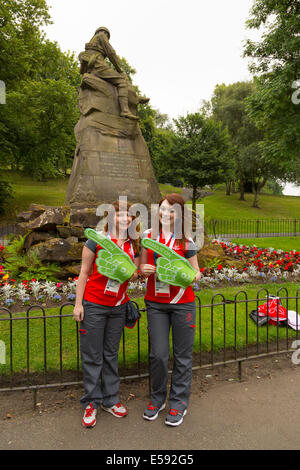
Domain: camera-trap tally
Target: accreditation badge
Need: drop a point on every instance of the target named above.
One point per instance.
(161, 288)
(112, 287)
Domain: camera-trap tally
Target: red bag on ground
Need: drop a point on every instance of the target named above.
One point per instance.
(274, 310)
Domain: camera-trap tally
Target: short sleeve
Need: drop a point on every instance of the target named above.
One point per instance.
(91, 245)
(192, 250)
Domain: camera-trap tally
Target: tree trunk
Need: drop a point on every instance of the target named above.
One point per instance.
(255, 200)
(228, 187)
(257, 190)
(242, 191)
(194, 199)
(234, 190)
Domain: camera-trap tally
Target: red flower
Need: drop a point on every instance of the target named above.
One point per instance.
(220, 267)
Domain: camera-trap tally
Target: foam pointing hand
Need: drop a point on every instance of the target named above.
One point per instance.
(111, 261)
(171, 268)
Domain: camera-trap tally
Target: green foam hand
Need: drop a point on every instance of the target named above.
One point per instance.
(171, 268)
(112, 262)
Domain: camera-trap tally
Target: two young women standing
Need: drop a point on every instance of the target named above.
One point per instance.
(101, 309)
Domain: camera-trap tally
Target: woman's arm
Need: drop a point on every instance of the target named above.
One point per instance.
(88, 257)
(146, 269)
(135, 274)
(194, 262)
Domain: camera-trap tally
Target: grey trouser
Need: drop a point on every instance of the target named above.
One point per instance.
(182, 318)
(101, 331)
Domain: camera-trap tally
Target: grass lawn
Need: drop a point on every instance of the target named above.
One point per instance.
(283, 243)
(167, 188)
(217, 206)
(51, 193)
(220, 206)
(69, 341)
(28, 191)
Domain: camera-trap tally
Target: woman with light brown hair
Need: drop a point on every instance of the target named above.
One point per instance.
(170, 306)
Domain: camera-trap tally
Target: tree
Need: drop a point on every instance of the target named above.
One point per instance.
(229, 108)
(41, 118)
(6, 193)
(20, 38)
(202, 152)
(37, 122)
(275, 61)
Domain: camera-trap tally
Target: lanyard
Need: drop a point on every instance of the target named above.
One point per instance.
(169, 242)
(131, 246)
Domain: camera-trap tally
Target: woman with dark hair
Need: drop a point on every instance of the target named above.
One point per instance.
(101, 305)
(170, 306)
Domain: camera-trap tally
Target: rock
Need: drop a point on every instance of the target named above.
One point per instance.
(74, 269)
(66, 231)
(22, 229)
(59, 250)
(38, 209)
(49, 219)
(34, 211)
(84, 217)
(23, 217)
(72, 240)
(35, 237)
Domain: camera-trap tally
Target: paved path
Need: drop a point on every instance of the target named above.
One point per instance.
(261, 412)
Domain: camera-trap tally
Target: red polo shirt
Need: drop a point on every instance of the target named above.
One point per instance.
(178, 295)
(96, 283)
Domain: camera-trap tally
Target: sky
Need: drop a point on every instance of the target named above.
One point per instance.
(180, 50)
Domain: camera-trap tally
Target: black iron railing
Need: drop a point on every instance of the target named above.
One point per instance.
(252, 228)
(225, 334)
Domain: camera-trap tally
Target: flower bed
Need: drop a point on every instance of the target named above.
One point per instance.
(16, 295)
(258, 265)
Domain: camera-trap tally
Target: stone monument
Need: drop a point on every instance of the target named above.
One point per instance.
(111, 157)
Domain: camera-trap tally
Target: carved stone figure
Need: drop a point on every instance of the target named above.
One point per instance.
(111, 157)
(93, 61)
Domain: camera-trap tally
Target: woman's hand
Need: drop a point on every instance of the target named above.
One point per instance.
(147, 269)
(78, 313)
(197, 277)
(134, 277)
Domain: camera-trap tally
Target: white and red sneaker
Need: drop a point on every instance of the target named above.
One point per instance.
(118, 410)
(89, 417)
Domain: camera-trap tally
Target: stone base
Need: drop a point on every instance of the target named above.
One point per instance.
(107, 167)
(57, 234)
(111, 158)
